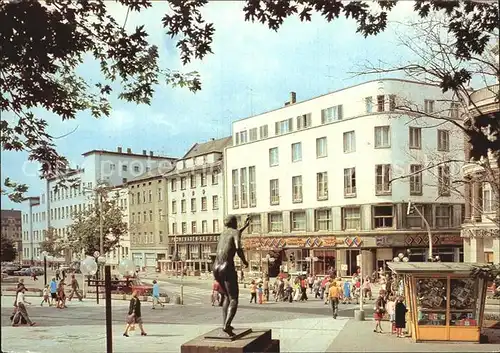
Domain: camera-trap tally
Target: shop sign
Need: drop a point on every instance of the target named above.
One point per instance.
(450, 240)
(420, 240)
(353, 241)
(384, 241)
(194, 239)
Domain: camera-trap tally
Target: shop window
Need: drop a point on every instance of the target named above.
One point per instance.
(463, 302)
(275, 222)
(383, 216)
(323, 220)
(351, 218)
(488, 256)
(298, 220)
(431, 301)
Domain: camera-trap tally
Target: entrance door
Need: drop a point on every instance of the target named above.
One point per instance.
(352, 261)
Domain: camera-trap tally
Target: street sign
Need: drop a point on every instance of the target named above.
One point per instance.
(96, 254)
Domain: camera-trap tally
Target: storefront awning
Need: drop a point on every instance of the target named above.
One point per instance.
(434, 267)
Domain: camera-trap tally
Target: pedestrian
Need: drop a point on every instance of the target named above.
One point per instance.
(33, 275)
(334, 294)
(215, 292)
(347, 292)
(63, 272)
(46, 292)
(400, 316)
(260, 293)
(61, 295)
(156, 294)
(21, 312)
(266, 288)
(75, 289)
(253, 292)
(53, 291)
(310, 282)
(134, 315)
(367, 289)
(303, 289)
(390, 307)
(379, 312)
(57, 274)
(327, 290)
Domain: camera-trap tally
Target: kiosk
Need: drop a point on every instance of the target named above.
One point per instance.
(444, 302)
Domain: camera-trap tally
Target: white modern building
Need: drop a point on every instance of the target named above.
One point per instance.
(74, 192)
(195, 196)
(33, 225)
(315, 176)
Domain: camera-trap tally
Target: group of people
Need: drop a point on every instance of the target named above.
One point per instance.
(394, 307)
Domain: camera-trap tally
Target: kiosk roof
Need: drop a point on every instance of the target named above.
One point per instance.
(426, 267)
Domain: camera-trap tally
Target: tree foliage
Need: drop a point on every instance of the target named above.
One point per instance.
(51, 244)
(42, 43)
(8, 249)
(84, 233)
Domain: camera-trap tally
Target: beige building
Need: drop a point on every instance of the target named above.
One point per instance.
(120, 195)
(12, 229)
(196, 207)
(480, 230)
(147, 218)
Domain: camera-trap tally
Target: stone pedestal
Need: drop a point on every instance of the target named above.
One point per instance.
(244, 340)
(359, 315)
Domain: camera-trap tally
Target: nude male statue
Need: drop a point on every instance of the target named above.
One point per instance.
(225, 271)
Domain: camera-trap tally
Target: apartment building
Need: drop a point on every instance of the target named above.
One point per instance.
(11, 228)
(120, 196)
(111, 168)
(148, 218)
(482, 208)
(315, 176)
(196, 207)
(33, 224)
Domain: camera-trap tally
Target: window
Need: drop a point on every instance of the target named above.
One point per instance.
(454, 110)
(382, 136)
(415, 137)
(428, 106)
(192, 181)
(203, 177)
(349, 142)
(273, 157)
(112, 166)
(160, 215)
(351, 218)
(243, 136)
(150, 196)
(382, 178)
(184, 227)
(136, 168)
(303, 121)
(193, 227)
(321, 147)
(298, 221)
(274, 191)
(173, 185)
(161, 236)
(323, 220)
(160, 195)
(296, 152)
(183, 206)
(236, 202)
(392, 102)
(297, 189)
(381, 103)
(237, 138)
(204, 226)
(322, 185)
(124, 168)
(138, 198)
(443, 216)
(215, 177)
(144, 196)
(139, 217)
(382, 217)
(215, 225)
(132, 218)
(369, 104)
(489, 204)
(204, 203)
(150, 215)
(444, 180)
(183, 183)
(253, 134)
(124, 180)
(174, 228)
(413, 220)
(415, 179)
(443, 140)
(193, 205)
(350, 182)
(263, 131)
(215, 202)
(331, 114)
(244, 187)
(255, 225)
(283, 127)
(174, 206)
(275, 222)
(252, 187)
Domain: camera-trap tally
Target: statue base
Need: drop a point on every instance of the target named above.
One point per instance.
(243, 340)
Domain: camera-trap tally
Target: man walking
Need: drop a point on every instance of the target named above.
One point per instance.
(53, 291)
(75, 289)
(334, 294)
(21, 309)
(156, 294)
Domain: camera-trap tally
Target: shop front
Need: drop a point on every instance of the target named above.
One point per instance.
(444, 303)
(449, 247)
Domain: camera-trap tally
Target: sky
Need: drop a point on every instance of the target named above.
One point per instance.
(252, 69)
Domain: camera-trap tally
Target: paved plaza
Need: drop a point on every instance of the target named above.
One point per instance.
(301, 327)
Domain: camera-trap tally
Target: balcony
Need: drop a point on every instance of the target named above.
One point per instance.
(485, 100)
(471, 169)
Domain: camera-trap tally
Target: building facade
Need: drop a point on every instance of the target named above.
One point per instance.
(196, 207)
(147, 217)
(482, 205)
(12, 228)
(120, 195)
(317, 179)
(34, 228)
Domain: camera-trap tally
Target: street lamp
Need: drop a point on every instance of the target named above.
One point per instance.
(44, 254)
(98, 202)
(412, 208)
(88, 267)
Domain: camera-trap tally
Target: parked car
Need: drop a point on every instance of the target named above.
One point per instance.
(9, 270)
(23, 272)
(37, 270)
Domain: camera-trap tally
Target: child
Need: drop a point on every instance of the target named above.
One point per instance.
(391, 305)
(400, 316)
(45, 296)
(253, 292)
(260, 292)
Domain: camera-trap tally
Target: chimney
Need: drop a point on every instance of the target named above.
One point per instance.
(129, 150)
(144, 152)
(151, 153)
(119, 149)
(293, 97)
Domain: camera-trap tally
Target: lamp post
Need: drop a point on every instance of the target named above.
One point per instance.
(98, 201)
(88, 267)
(44, 254)
(412, 208)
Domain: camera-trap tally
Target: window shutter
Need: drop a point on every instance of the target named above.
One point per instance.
(299, 123)
(290, 125)
(323, 116)
(340, 113)
(277, 128)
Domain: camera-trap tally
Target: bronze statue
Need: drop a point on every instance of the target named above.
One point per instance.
(225, 271)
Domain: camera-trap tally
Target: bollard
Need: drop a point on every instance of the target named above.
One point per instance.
(359, 315)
